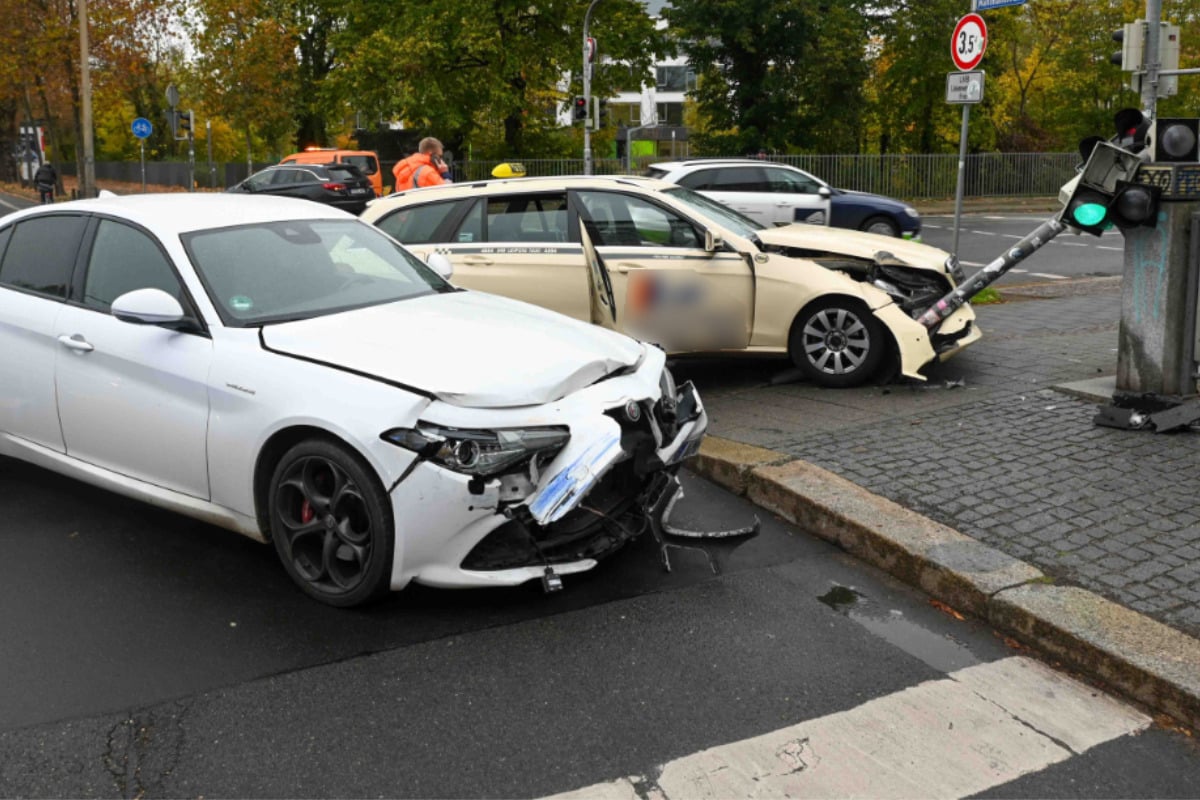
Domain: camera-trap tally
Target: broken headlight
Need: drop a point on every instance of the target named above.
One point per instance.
(914, 290)
(480, 452)
(666, 385)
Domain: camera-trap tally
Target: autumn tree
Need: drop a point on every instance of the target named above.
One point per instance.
(461, 68)
(246, 67)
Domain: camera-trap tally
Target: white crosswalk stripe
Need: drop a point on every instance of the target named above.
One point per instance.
(976, 728)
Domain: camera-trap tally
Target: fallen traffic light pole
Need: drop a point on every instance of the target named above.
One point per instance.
(991, 273)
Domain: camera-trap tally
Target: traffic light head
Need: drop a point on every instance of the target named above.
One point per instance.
(183, 126)
(1175, 140)
(1104, 194)
(579, 108)
(1135, 204)
(1132, 129)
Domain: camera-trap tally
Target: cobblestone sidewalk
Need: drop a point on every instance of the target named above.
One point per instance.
(989, 448)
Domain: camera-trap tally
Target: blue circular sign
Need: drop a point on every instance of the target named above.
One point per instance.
(142, 127)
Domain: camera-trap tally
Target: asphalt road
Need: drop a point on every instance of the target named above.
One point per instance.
(984, 237)
(149, 654)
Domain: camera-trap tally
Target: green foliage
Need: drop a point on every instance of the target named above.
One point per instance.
(484, 72)
(489, 77)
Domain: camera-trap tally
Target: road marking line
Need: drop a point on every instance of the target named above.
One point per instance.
(1051, 277)
(972, 263)
(976, 728)
(1074, 244)
(985, 233)
(1011, 236)
(9, 205)
(1022, 271)
(1118, 249)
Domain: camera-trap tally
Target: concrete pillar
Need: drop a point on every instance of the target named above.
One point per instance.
(1158, 306)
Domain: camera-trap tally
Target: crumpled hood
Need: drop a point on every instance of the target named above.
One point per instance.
(467, 348)
(855, 243)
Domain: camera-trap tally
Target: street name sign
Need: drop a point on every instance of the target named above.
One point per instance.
(987, 5)
(968, 42)
(964, 87)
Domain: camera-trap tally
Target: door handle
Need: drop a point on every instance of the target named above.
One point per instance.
(624, 268)
(477, 260)
(76, 342)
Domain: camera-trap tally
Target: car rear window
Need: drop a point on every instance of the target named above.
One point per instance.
(365, 163)
(344, 173)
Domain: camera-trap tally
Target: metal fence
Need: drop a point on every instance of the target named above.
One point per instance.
(911, 177)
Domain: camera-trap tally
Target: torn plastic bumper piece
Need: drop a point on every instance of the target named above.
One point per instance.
(717, 545)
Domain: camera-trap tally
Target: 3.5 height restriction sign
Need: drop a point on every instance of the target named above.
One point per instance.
(969, 42)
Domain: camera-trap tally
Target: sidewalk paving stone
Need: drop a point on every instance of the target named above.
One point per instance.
(987, 447)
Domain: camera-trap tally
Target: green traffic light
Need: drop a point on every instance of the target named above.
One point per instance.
(1089, 214)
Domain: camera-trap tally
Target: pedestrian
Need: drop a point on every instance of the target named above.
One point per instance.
(45, 180)
(423, 168)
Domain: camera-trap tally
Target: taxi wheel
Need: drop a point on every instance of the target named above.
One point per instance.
(332, 524)
(837, 342)
(881, 225)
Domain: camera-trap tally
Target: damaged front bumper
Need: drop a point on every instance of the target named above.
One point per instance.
(618, 483)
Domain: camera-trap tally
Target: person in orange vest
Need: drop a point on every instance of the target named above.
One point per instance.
(422, 168)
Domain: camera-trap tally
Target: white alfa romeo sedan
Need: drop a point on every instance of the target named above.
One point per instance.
(284, 370)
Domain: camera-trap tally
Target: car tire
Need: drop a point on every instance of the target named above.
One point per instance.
(331, 522)
(882, 226)
(837, 342)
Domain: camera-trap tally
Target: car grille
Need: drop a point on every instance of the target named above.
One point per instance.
(609, 517)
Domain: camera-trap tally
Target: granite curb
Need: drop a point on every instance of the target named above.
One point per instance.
(1134, 655)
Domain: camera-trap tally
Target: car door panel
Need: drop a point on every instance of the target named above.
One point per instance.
(137, 402)
(667, 289)
(133, 398)
(39, 258)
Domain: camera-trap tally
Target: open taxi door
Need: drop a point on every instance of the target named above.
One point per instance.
(603, 305)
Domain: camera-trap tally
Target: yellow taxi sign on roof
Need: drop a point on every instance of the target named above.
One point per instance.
(509, 170)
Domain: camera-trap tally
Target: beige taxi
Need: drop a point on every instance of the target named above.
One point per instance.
(670, 266)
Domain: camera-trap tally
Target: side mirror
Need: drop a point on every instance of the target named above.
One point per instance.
(825, 192)
(441, 265)
(147, 307)
(712, 242)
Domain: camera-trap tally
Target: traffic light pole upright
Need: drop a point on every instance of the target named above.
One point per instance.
(587, 88)
(1150, 58)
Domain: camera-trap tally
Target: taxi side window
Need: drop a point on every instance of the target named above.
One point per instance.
(527, 218)
(124, 259)
(40, 256)
(624, 220)
(471, 228)
(417, 224)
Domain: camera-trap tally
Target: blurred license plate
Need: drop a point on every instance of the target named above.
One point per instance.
(358, 191)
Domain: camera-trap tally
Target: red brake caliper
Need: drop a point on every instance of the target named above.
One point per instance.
(306, 513)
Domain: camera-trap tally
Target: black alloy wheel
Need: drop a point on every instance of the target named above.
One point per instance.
(837, 342)
(332, 524)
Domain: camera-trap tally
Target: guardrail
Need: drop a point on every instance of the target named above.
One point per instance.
(912, 177)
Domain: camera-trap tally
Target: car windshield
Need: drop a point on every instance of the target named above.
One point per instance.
(737, 223)
(288, 270)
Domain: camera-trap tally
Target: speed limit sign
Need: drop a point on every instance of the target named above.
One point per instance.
(969, 42)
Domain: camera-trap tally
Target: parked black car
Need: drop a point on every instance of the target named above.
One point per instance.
(341, 185)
